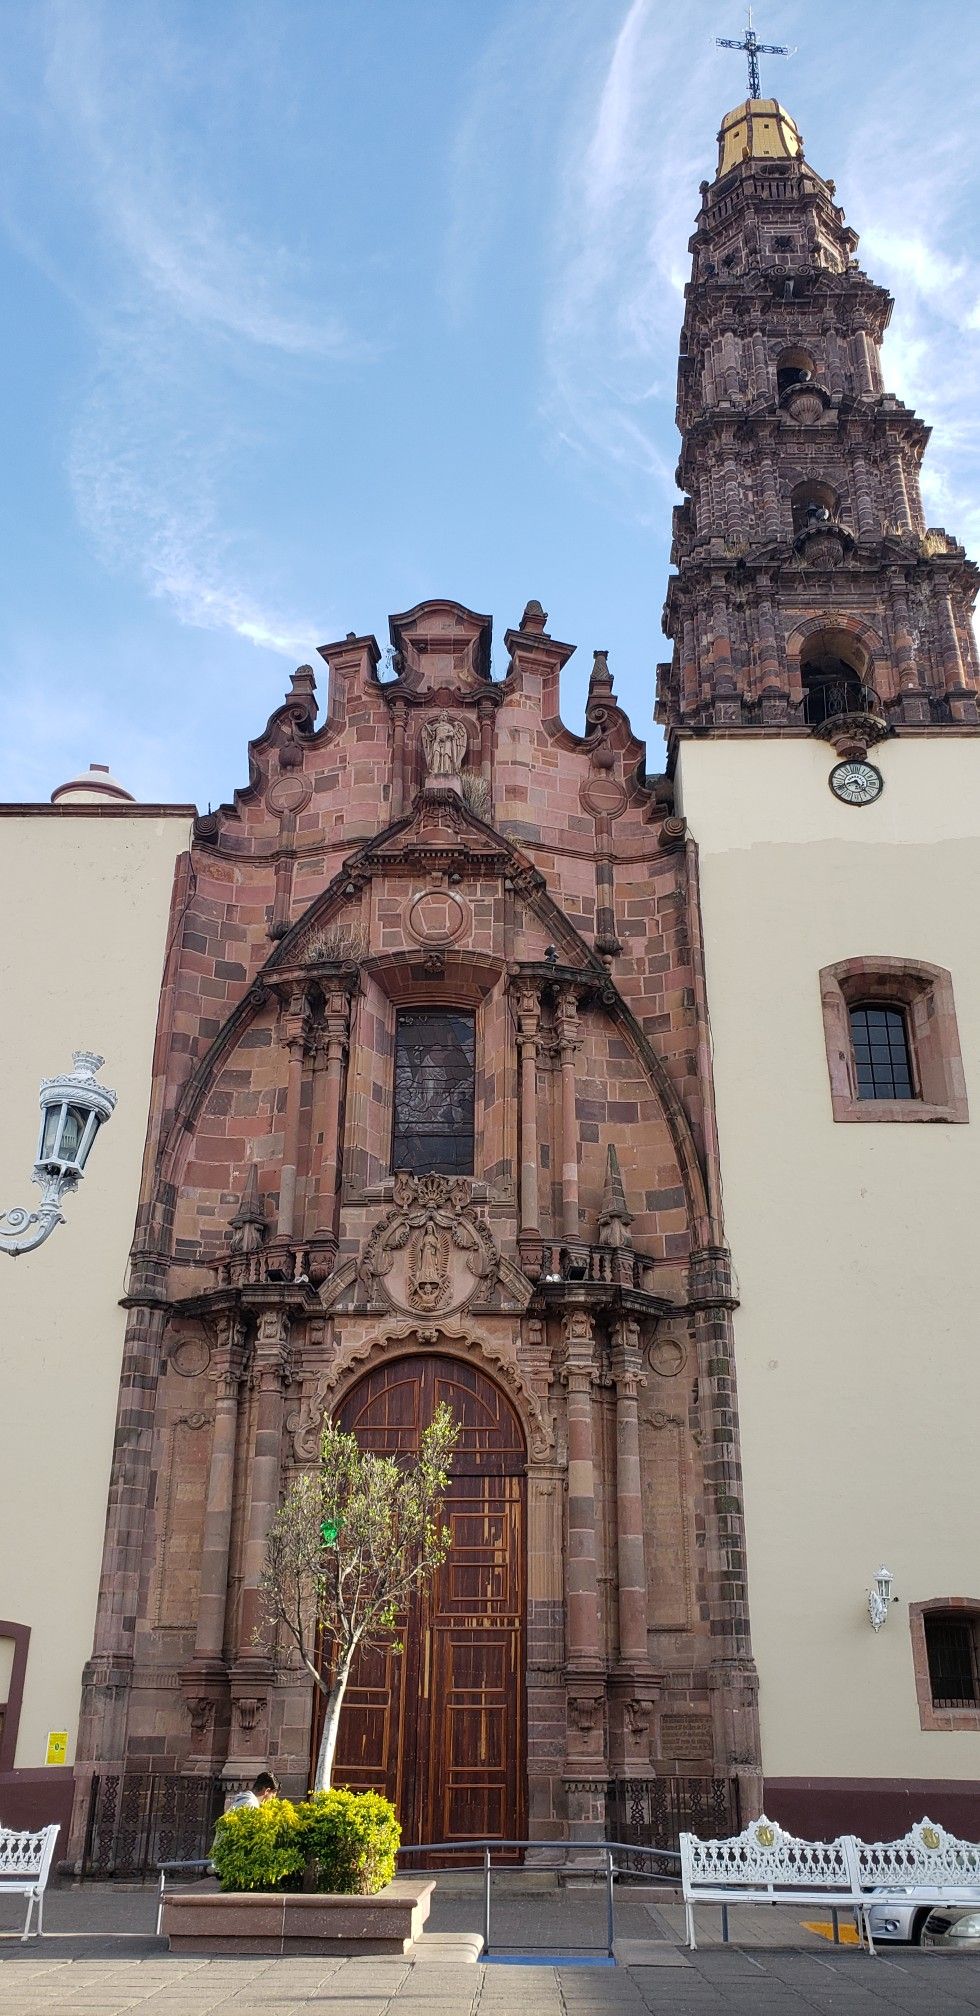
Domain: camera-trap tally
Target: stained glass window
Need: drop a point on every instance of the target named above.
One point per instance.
(434, 1087)
(881, 1053)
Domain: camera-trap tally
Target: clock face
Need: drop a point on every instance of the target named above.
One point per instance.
(856, 783)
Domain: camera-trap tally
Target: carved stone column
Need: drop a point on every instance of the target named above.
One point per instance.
(899, 490)
(337, 1017)
(569, 1042)
(398, 710)
(865, 372)
(771, 514)
(294, 1036)
(204, 1682)
(586, 1762)
(629, 1499)
(864, 505)
(252, 1670)
(581, 1585)
(209, 1643)
(485, 712)
(528, 1027)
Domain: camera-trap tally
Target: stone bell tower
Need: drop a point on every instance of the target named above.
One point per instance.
(817, 623)
(809, 594)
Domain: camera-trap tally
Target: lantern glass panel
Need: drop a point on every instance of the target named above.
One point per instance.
(50, 1132)
(71, 1134)
(91, 1123)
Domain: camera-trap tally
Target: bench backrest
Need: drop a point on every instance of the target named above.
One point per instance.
(925, 1855)
(24, 1854)
(763, 1856)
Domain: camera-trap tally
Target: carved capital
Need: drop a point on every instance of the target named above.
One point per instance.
(626, 1360)
(567, 1022)
(579, 1369)
(271, 1355)
(527, 1000)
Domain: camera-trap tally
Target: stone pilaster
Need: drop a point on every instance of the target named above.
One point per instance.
(252, 1670)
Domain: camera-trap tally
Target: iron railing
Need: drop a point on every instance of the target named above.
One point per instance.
(826, 699)
(597, 1859)
(137, 1820)
(651, 1814)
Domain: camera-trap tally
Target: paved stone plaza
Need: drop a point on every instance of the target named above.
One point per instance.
(100, 1957)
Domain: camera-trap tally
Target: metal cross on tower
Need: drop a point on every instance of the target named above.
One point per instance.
(753, 49)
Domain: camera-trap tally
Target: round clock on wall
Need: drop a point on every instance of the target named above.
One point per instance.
(856, 783)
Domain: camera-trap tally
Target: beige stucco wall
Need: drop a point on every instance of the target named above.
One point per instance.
(855, 1245)
(86, 904)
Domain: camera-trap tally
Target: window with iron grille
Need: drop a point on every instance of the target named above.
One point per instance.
(951, 1649)
(434, 1092)
(879, 1038)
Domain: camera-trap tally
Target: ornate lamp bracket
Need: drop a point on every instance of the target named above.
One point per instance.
(73, 1108)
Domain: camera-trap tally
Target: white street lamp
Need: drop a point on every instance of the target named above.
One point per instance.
(73, 1108)
(879, 1598)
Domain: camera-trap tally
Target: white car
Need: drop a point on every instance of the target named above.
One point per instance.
(896, 1916)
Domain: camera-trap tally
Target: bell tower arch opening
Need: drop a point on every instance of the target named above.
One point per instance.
(835, 674)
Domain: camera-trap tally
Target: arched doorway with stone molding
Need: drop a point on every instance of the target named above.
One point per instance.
(441, 1728)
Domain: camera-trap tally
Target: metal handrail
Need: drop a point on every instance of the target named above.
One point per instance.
(605, 1848)
(198, 1862)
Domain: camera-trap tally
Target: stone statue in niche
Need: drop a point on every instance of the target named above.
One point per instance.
(444, 742)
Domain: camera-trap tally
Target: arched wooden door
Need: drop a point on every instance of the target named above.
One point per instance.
(440, 1727)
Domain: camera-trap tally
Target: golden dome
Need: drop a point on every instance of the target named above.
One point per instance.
(759, 129)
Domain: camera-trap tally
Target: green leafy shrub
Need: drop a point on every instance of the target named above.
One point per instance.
(349, 1840)
(258, 1847)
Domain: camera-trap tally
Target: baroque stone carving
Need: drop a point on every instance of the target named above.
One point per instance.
(358, 1357)
(200, 1708)
(430, 1252)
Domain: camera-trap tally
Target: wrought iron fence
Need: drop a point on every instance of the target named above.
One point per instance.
(655, 1812)
(138, 1819)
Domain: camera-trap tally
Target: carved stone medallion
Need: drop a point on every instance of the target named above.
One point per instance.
(667, 1356)
(430, 1252)
(437, 916)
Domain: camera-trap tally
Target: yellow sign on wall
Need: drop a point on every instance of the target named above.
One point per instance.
(57, 1746)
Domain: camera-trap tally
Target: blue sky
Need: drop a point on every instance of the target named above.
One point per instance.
(313, 310)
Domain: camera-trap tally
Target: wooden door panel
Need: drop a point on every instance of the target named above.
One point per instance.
(370, 1738)
(441, 1727)
(476, 1705)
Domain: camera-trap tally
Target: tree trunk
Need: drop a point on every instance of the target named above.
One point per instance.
(331, 1724)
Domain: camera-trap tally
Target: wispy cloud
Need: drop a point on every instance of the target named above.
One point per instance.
(619, 261)
(187, 309)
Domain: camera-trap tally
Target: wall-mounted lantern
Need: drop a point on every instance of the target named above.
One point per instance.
(879, 1598)
(73, 1108)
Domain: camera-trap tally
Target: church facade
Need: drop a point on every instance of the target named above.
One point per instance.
(433, 1121)
(490, 1069)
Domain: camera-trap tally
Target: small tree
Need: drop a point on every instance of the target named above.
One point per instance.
(353, 1540)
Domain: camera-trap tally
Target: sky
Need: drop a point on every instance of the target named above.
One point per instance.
(313, 309)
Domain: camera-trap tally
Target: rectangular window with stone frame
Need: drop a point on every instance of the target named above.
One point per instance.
(946, 1661)
(893, 1048)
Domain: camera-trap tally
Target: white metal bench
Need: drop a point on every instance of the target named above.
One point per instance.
(765, 1865)
(927, 1866)
(25, 1862)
